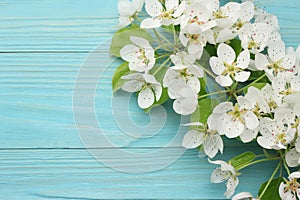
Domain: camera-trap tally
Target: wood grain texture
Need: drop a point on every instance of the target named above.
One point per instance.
(43, 44)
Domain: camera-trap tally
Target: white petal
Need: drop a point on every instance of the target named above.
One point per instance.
(251, 120)
(208, 25)
(225, 35)
(212, 144)
(216, 65)
(157, 89)
(248, 135)
(265, 142)
(171, 4)
(289, 61)
(244, 103)
(132, 86)
(169, 77)
(145, 98)
(231, 10)
(261, 61)
(196, 49)
(247, 11)
(196, 71)
(129, 52)
(150, 23)
(292, 157)
(192, 139)
(243, 59)
(223, 108)
(232, 129)
(153, 7)
(219, 176)
(226, 53)
(224, 81)
(134, 76)
(231, 184)
(295, 175)
(194, 83)
(141, 42)
(276, 51)
(242, 76)
(124, 7)
(242, 196)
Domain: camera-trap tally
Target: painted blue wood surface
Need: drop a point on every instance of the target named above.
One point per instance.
(43, 44)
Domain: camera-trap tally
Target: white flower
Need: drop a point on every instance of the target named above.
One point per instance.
(162, 15)
(226, 68)
(290, 190)
(255, 36)
(284, 85)
(208, 137)
(197, 17)
(277, 60)
(227, 15)
(275, 134)
(140, 55)
(186, 100)
(232, 121)
(184, 71)
(257, 99)
(223, 173)
(149, 89)
(246, 13)
(194, 40)
(243, 196)
(127, 10)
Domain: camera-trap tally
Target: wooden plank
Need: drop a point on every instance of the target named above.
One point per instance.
(74, 174)
(61, 25)
(36, 105)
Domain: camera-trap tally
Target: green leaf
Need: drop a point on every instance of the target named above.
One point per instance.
(236, 44)
(164, 97)
(242, 159)
(159, 72)
(211, 49)
(204, 109)
(203, 86)
(122, 37)
(272, 190)
(257, 74)
(117, 82)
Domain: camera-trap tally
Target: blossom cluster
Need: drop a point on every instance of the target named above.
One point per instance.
(251, 65)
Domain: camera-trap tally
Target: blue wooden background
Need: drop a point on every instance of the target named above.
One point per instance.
(43, 44)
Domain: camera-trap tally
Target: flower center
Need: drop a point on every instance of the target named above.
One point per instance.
(196, 20)
(219, 15)
(252, 44)
(230, 69)
(292, 185)
(275, 66)
(167, 14)
(281, 138)
(143, 57)
(237, 113)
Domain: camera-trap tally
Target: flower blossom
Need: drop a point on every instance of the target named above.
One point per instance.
(227, 68)
(290, 190)
(127, 10)
(140, 55)
(148, 87)
(207, 137)
(223, 173)
(163, 16)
